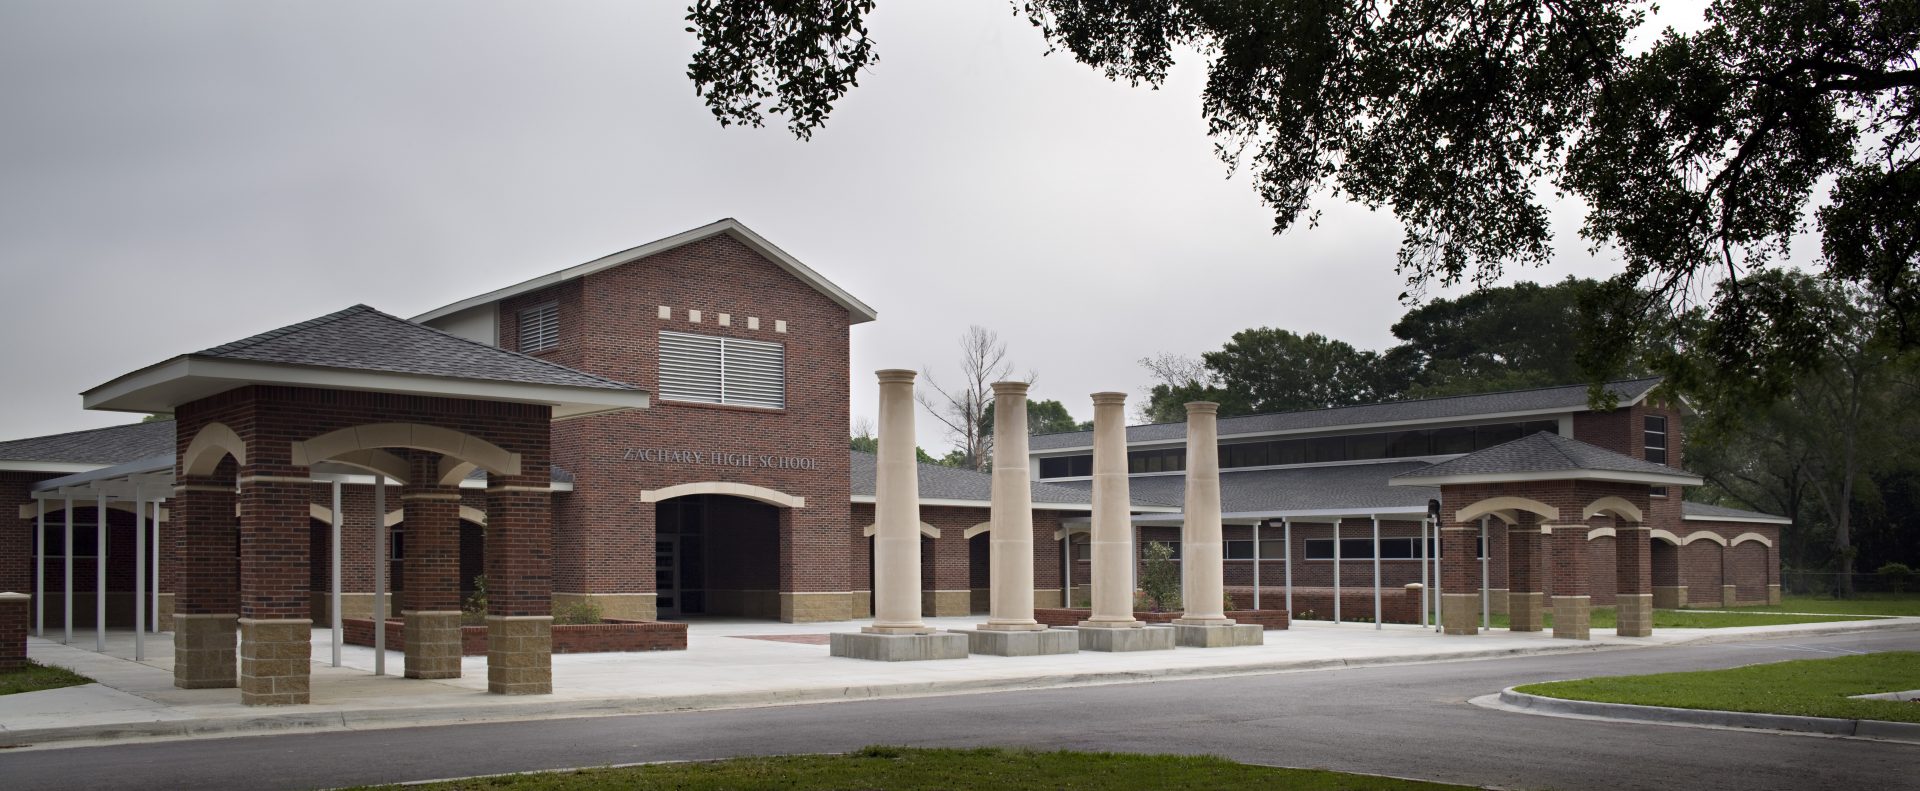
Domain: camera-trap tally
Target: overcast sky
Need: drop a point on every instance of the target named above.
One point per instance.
(177, 175)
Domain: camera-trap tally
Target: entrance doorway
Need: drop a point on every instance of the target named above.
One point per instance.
(716, 554)
(666, 575)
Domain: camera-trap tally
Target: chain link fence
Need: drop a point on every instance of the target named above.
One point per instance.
(1795, 582)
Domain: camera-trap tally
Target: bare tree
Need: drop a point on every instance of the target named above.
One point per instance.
(983, 361)
(1175, 372)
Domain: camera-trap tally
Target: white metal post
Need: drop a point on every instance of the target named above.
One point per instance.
(1336, 569)
(66, 550)
(1256, 563)
(100, 573)
(1286, 572)
(334, 606)
(139, 578)
(1438, 602)
(1425, 583)
(1486, 595)
(40, 567)
(1376, 571)
(154, 624)
(379, 575)
(1066, 568)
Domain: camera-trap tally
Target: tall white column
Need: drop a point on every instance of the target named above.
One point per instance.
(896, 513)
(1201, 591)
(1113, 554)
(1011, 541)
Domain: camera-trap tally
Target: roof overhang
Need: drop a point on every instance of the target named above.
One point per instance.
(1755, 520)
(27, 465)
(1341, 429)
(1174, 516)
(868, 499)
(1612, 476)
(164, 386)
(859, 311)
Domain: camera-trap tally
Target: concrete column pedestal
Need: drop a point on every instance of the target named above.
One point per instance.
(1005, 642)
(519, 654)
(433, 644)
(204, 651)
(1525, 611)
(1729, 596)
(1669, 597)
(1773, 594)
(1633, 614)
(1112, 639)
(1460, 613)
(1225, 635)
(276, 656)
(1572, 617)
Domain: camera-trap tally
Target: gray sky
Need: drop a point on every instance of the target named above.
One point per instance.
(183, 174)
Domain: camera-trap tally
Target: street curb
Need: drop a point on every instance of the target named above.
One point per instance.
(1878, 624)
(1878, 730)
(310, 721)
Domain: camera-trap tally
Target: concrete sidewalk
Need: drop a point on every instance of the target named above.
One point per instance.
(728, 664)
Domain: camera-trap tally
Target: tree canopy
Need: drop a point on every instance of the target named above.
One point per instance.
(1694, 154)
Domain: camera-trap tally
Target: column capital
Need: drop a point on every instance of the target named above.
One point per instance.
(896, 375)
(1202, 408)
(1011, 388)
(1109, 398)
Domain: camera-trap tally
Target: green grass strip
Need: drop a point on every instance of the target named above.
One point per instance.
(1805, 687)
(1605, 618)
(34, 677)
(903, 769)
(1864, 604)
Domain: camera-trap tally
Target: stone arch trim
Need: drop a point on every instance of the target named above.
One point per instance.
(460, 447)
(1746, 537)
(763, 494)
(214, 442)
(1492, 506)
(377, 461)
(468, 513)
(1599, 532)
(1617, 507)
(925, 529)
(1667, 536)
(983, 527)
(1704, 535)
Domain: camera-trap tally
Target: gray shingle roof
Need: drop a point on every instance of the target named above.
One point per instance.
(112, 445)
(1706, 511)
(361, 338)
(1541, 452)
(949, 483)
(1568, 398)
(1345, 488)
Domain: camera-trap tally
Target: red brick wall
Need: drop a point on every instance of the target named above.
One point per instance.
(609, 325)
(952, 562)
(16, 541)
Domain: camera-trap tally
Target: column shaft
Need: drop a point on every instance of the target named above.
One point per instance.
(519, 584)
(276, 630)
(206, 576)
(1460, 578)
(1112, 539)
(1201, 593)
(431, 595)
(1010, 541)
(1572, 602)
(1525, 600)
(896, 512)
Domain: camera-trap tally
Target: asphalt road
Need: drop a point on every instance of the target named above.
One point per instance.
(1411, 721)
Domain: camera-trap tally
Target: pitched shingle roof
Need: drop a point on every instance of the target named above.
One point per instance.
(1346, 489)
(361, 338)
(1541, 453)
(106, 446)
(1569, 398)
(949, 483)
(1693, 510)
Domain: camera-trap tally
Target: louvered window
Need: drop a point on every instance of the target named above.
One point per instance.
(539, 328)
(709, 370)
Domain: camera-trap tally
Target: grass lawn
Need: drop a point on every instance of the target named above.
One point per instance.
(1807, 687)
(35, 677)
(1864, 604)
(902, 769)
(1603, 618)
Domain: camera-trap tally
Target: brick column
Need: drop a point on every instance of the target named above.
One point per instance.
(16, 619)
(1572, 604)
(1525, 600)
(1633, 579)
(276, 630)
(1773, 571)
(206, 578)
(519, 586)
(1668, 593)
(1460, 578)
(1729, 593)
(431, 594)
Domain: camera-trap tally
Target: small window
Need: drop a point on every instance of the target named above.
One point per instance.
(397, 537)
(1655, 438)
(711, 370)
(540, 328)
(1272, 549)
(1238, 550)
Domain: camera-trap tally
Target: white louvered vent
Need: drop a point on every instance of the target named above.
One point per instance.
(539, 328)
(709, 370)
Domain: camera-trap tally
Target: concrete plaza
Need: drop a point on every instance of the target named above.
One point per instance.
(728, 664)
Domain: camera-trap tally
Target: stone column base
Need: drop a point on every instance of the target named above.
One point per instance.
(204, 651)
(1525, 611)
(1573, 617)
(1729, 596)
(816, 607)
(1773, 594)
(1012, 626)
(1669, 597)
(625, 606)
(1116, 640)
(1634, 614)
(433, 643)
(1460, 613)
(276, 661)
(166, 613)
(1224, 635)
(520, 654)
(1021, 643)
(898, 647)
(1497, 601)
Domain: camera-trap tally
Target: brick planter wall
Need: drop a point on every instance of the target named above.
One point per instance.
(1056, 616)
(608, 636)
(15, 621)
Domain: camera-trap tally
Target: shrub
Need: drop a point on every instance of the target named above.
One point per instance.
(1897, 576)
(583, 611)
(1160, 578)
(1227, 602)
(474, 612)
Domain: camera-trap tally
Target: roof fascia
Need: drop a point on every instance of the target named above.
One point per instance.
(1345, 428)
(1614, 476)
(860, 311)
(24, 465)
(868, 499)
(1757, 520)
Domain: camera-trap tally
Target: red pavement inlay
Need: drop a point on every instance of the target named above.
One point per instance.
(802, 639)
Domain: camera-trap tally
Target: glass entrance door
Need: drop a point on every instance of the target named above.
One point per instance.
(666, 575)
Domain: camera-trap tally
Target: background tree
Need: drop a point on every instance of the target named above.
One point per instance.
(1497, 338)
(1694, 159)
(1043, 417)
(863, 438)
(961, 408)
